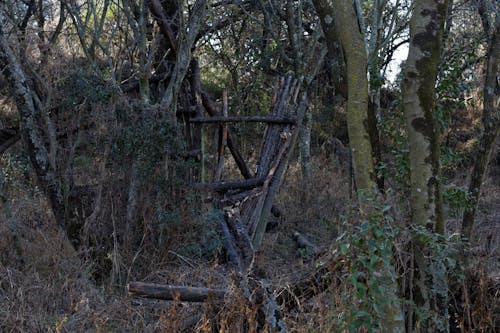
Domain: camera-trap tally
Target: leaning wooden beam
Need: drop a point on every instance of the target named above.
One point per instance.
(230, 245)
(222, 138)
(173, 293)
(248, 119)
(275, 168)
(230, 184)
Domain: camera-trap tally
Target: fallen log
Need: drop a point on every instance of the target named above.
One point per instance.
(173, 293)
(309, 285)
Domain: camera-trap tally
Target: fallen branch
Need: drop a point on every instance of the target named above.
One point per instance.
(173, 293)
(309, 285)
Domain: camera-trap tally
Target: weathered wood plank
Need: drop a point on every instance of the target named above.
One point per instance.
(173, 293)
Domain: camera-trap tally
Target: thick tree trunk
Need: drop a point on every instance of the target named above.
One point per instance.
(357, 103)
(430, 284)
(491, 128)
(346, 24)
(418, 102)
(336, 60)
(31, 133)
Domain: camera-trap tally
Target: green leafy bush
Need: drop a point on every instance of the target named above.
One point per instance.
(366, 252)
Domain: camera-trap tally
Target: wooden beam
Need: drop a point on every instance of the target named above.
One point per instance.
(231, 144)
(173, 293)
(247, 119)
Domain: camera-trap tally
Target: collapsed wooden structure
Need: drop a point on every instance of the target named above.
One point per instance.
(245, 205)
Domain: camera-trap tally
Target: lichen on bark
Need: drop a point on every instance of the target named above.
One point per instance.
(430, 281)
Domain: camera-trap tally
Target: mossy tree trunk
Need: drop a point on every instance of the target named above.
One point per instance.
(429, 284)
(357, 101)
(491, 128)
(336, 60)
(338, 18)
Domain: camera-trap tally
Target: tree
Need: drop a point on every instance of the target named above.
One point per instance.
(490, 120)
(429, 285)
(31, 113)
(346, 24)
(357, 101)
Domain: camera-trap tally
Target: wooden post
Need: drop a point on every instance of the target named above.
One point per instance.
(222, 138)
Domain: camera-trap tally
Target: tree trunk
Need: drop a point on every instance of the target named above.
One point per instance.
(375, 84)
(346, 23)
(336, 59)
(491, 129)
(32, 135)
(430, 284)
(357, 104)
(418, 102)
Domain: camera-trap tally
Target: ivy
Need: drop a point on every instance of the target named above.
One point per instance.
(366, 253)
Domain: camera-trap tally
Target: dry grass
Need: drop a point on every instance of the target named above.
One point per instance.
(45, 285)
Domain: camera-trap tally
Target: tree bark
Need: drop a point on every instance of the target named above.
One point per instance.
(350, 34)
(375, 84)
(32, 135)
(357, 103)
(418, 101)
(430, 284)
(491, 129)
(336, 59)
(305, 155)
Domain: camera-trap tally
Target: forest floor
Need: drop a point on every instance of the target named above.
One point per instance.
(44, 285)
